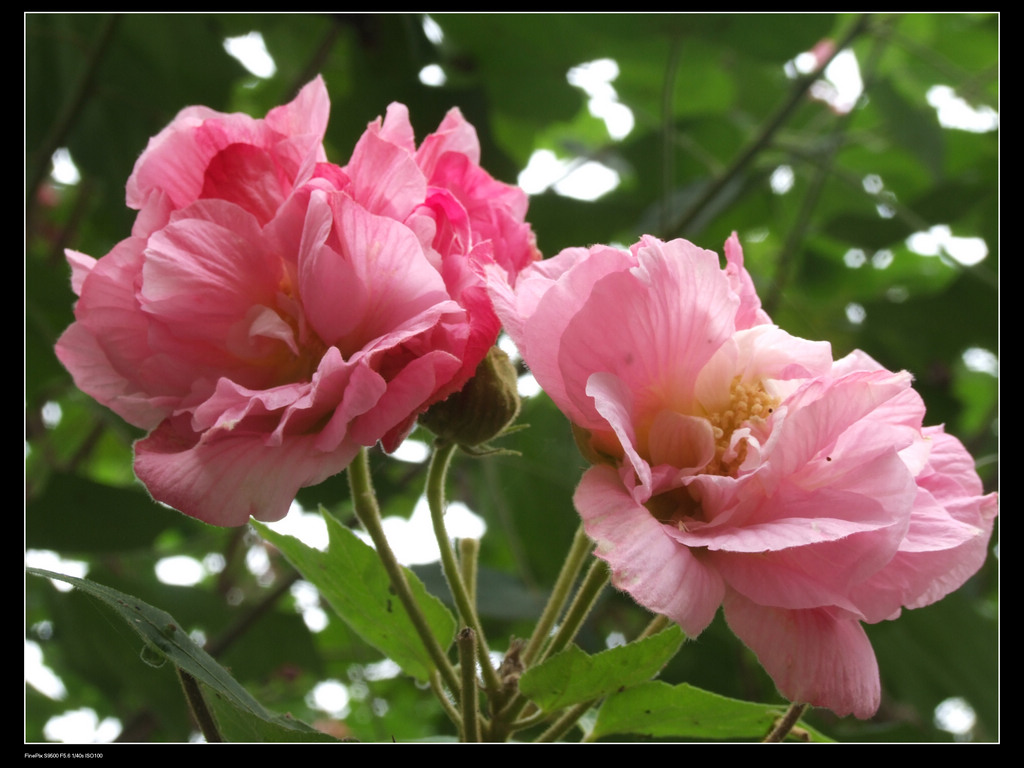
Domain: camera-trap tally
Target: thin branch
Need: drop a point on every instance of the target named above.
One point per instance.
(197, 704)
(761, 140)
(785, 724)
(62, 126)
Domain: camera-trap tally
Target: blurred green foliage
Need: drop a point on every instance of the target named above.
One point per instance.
(716, 118)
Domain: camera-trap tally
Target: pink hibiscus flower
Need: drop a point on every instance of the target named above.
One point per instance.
(272, 313)
(738, 466)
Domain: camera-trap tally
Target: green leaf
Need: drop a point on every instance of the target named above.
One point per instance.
(573, 676)
(352, 579)
(164, 638)
(661, 710)
(237, 725)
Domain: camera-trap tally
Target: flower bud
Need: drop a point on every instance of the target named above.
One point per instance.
(480, 410)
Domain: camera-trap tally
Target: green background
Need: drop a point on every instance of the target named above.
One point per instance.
(715, 116)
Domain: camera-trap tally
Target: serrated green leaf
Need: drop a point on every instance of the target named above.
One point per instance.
(162, 634)
(573, 676)
(661, 710)
(352, 579)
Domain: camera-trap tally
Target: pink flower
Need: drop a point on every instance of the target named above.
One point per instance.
(464, 218)
(272, 313)
(204, 154)
(738, 466)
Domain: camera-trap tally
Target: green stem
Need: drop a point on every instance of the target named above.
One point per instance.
(438, 688)
(563, 724)
(559, 594)
(593, 583)
(785, 724)
(469, 551)
(436, 500)
(657, 624)
(467, 658)
(367, 510)
(596, 578)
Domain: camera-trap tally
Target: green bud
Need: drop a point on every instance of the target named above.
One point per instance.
(482, 409)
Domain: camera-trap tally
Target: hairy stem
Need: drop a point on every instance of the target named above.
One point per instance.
(368, 512)
(436, 475)
(595, 580)
(467, 658)
(559, 594)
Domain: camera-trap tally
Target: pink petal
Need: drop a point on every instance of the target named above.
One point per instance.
(548, 297)
(453, 135)
(376, 281)
(750, 312)
(385, 177)
(106, 349)
(223, 478)
(674, 305)
(818, 657)
(658, 573)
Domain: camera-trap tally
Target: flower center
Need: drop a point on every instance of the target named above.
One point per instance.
(749, 407)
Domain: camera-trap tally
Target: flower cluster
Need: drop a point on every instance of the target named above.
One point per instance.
(735, 465)
(272, 312)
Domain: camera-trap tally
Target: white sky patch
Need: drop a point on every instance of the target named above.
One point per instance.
(588, 181)
(51, 414)
(855, 258)
(614, 640)
(433, 75)
(381, 670)
(855, 313)
(956, 716)
(967, 251)
(432, 30)
(64, 169)
(330, 696)
(82, 726)
(307, 600)
(981, 360)
(413, 540)
(506, 345)
(956, 113)
(40, 676)
(51, 561)
(882, 259)
(841, 86)
(308, 527)
(873, 183)
(595, 79)
(180, 570)
(781, 180)
(252, 52)
(578, 178)
(526, 384)
(412, 451)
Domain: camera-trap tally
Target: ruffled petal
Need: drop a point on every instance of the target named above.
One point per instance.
(656, 571)
(819, 657)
